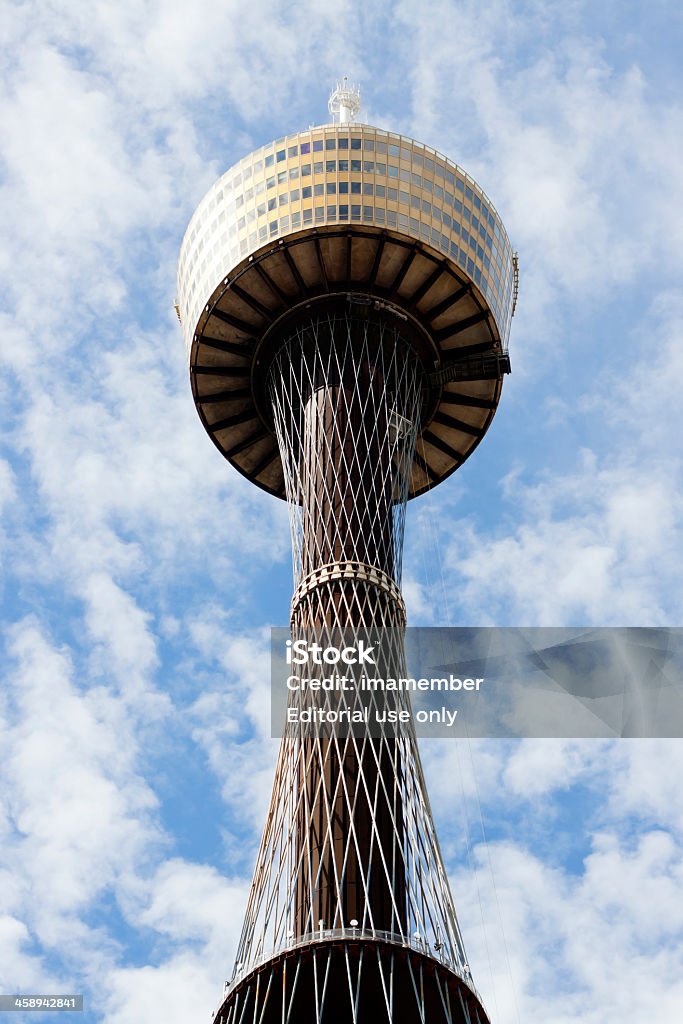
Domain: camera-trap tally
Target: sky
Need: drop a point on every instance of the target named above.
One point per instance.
(140, 573)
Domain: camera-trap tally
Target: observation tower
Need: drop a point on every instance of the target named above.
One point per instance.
(345, 295)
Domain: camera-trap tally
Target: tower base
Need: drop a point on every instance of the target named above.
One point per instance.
(349, 979)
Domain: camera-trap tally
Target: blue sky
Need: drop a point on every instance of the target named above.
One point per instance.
(139, 573)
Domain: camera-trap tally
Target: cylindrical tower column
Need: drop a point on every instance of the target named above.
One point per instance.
(346, 391)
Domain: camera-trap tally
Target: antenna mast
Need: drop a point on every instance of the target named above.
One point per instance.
(344, 103)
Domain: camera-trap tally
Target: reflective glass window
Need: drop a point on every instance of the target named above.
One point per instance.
(417, 159)
(393, 171)
(317, 145)
(355, 187)
(270, 182)
(292, 151)
(331, 166)
(306, 192)
(343, 212)
(460, 185)
(270, 160)
(470, 265)
(405, 153)
(294, 195)
(343, 165)
(391, 218)
(405, 174)
(439, 171)
(296, 219)
(450, 177)
(331, 212)
(282, 176)
(368, 188)
(446, 219)
(381, 168)
(414, 224)
(426, 207)
(468, 192)
(343, 143)
(272, 203)
(331, 143)
(343, 187)
(368, 144)
(369, 166)
(355, 143)
(293, 173)
(283, 199)
(415, 202)
(305, 147)
(380, 190)
(318, 167)
(429, 164)
(261, 209)
(367, 213)
(281, 155)
(475, 222)
(320, 213)
(355, 166)
(438, 191)
(319, 190)
(331, 188)
(308, 216)
(477, 202)
(393, 150)
(305, 170)
(381, 147)
(403, 221)
(379, 215)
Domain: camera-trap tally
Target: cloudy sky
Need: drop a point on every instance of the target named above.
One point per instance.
(139, 573)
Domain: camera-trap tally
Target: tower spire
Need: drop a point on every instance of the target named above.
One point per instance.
(344, 103)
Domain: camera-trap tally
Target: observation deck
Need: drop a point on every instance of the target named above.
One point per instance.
(338, 219)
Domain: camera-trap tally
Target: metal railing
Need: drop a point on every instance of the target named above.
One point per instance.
(354, 934)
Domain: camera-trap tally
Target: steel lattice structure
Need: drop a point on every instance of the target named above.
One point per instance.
(346, 368)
